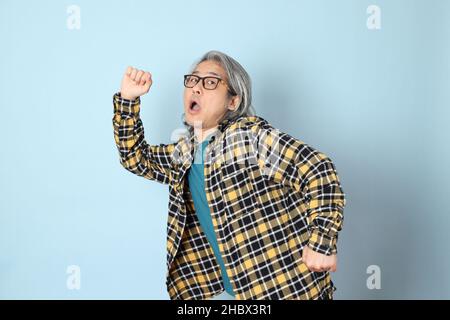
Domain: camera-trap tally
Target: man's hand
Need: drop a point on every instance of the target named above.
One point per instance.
(318, 262)
(135, 83)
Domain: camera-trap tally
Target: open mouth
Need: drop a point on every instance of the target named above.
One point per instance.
(194, 107)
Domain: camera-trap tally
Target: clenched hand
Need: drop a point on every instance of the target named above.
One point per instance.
(319, 262)
(135, 83)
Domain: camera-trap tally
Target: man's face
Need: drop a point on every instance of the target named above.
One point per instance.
(212, 104)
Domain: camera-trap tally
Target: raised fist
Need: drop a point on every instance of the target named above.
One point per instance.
(135, 83)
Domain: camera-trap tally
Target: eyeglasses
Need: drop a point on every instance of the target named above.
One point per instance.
(209, 83)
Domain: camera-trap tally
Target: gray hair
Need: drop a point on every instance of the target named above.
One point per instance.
(239, 82)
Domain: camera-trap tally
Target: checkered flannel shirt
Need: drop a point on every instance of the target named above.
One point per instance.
(269, 194)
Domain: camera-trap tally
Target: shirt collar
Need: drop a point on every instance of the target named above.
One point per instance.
(221, 128)
(224, 124)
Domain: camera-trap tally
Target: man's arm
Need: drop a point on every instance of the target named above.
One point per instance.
(292, 162)
(153, 162)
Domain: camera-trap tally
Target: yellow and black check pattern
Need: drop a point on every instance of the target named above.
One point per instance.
(269, 194)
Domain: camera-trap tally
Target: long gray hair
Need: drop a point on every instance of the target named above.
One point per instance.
(239, 82)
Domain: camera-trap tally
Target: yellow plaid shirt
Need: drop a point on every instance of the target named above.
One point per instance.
(269, 195)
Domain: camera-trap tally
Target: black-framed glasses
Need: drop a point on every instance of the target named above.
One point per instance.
(209, 82)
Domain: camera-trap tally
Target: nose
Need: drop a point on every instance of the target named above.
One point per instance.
(198, 87)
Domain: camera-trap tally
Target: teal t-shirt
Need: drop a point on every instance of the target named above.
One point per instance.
(196, 179)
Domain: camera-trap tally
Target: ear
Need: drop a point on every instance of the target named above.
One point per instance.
(234, 103)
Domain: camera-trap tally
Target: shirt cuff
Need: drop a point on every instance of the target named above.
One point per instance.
(126, 106)
(322, 243)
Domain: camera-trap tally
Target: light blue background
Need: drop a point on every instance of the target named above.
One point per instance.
(375, 101)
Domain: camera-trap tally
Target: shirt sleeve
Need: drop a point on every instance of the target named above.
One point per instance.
(291, 162)
(153, 162)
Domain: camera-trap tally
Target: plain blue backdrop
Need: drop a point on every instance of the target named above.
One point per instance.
(375, 101)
